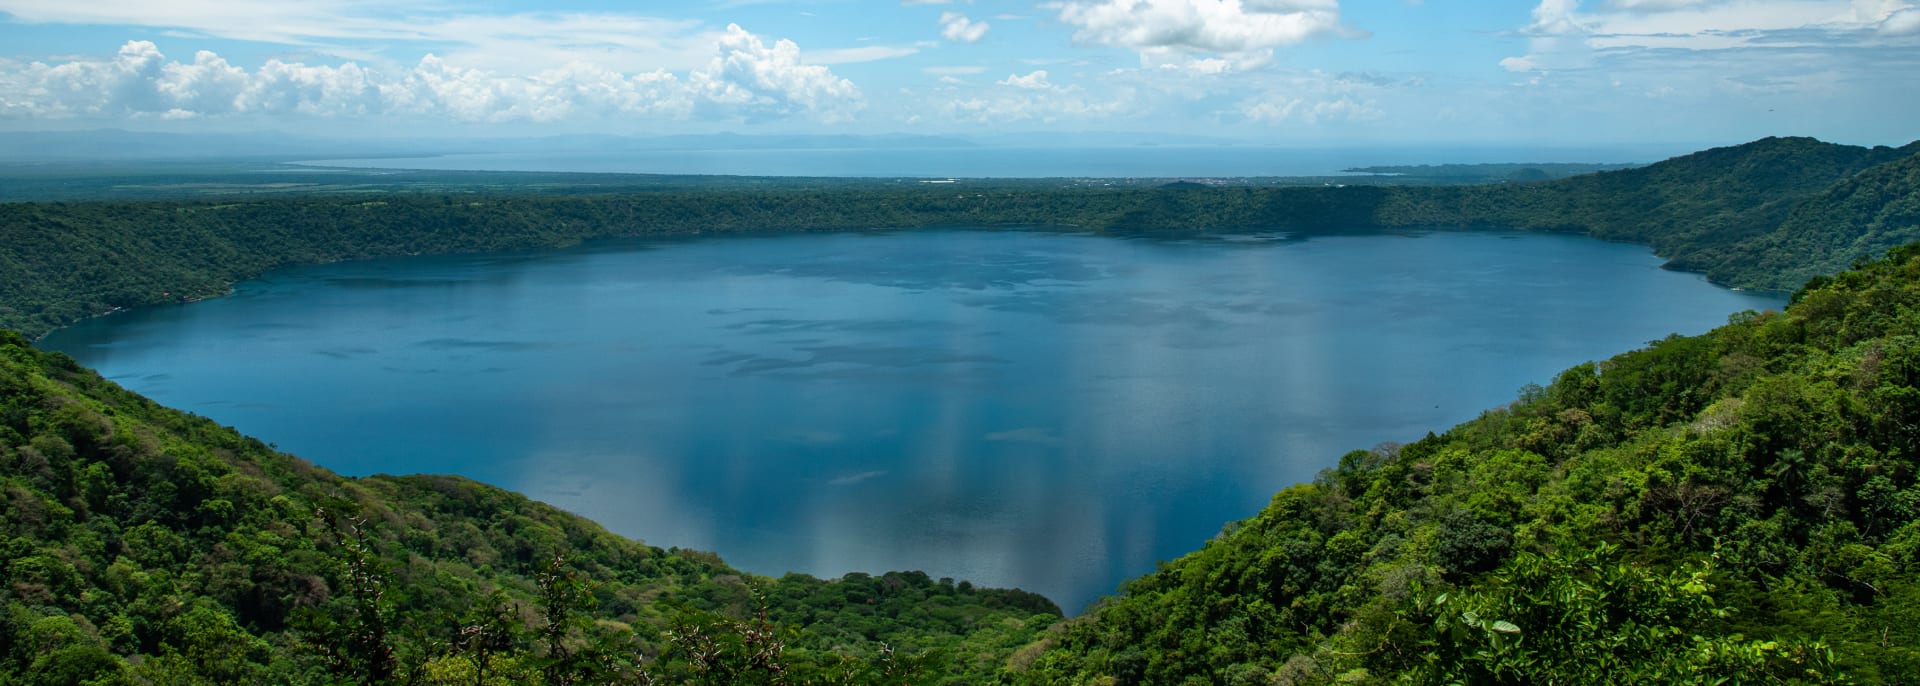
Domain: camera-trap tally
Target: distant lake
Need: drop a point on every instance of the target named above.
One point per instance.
(997, 162)
(1019, 408)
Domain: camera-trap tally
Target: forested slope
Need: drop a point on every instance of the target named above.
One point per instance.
(1863, 215)
(144, 545)
(1712, 211)
(1690, 207)
(1737, 507)
(1765, 214)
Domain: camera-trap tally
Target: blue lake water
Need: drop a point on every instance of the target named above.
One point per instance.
(1019, 408)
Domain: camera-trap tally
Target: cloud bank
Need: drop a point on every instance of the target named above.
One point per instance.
(1563, 35)
(746, 79)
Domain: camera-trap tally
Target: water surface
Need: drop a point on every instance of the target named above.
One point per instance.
(1043, 410)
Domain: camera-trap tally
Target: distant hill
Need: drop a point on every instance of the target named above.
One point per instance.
(1709, 211)
(1684, 206)
(1487, 172)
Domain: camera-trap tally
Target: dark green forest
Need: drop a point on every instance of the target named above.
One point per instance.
(1740, 214)
(1737, 507)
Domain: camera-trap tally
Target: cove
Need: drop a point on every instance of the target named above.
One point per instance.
(1037, 409)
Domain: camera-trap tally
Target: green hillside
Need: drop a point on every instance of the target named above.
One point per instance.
(1689, 207)
(1737, 507)
(1861, 216)
(1723, 211)
(145, 545)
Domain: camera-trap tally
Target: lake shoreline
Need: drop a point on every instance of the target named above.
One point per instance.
(428, 355)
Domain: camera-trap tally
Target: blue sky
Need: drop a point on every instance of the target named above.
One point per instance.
(1564, 72)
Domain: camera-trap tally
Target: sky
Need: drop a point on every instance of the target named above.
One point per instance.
(1564, 72)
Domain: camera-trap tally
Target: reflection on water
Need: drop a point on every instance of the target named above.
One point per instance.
(1050, 411)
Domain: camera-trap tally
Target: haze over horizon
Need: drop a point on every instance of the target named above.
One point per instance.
(1287, 72)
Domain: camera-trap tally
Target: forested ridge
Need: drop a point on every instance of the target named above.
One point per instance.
(146, 545)
(1737, 507)
(1766, 215)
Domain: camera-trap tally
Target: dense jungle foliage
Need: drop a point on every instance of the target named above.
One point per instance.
(1722, 211)
(1737, 507)
(143, 545)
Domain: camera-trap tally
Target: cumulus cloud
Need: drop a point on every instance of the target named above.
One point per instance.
(1204, 26)
(1904, 22)
(1033, 81)
(956, 27)
(763, 82)
(746, 78)
(1554, 17)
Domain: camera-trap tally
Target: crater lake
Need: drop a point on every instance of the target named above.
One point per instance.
(1045, 410)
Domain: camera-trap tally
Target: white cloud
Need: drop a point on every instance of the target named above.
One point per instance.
(367, 31)
(1654, 5)
(1204, 26)
(1032, 98)
(208, 85)
(753, 80)
(956, 27)
(1905, 22)
(1563, 36)
(1717, 24)
(1554, 17)
(864, 53)
(1035, 80)
(962, 70)
(1210, 65)
(1522, 63)
(746, 79)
